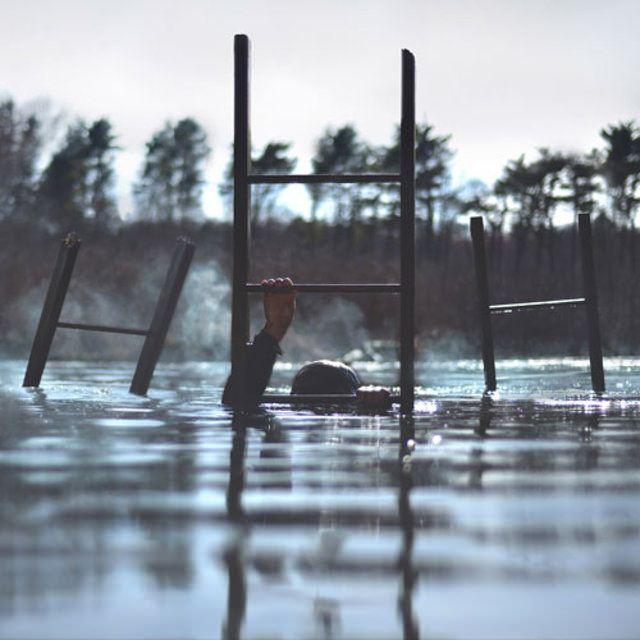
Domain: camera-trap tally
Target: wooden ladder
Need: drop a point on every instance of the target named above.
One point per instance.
(589, 301)
(154, 336)
(244, 179)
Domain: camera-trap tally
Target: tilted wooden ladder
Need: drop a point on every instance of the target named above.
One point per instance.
(154, 336)
(243, 179)
(589, 300)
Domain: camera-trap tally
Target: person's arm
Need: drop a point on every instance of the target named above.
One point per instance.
(279, 306)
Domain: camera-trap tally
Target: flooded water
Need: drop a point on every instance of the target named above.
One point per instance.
(165, 517)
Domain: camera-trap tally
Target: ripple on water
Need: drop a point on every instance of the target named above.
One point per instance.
(306, 524)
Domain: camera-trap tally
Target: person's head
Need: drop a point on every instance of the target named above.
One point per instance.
(325, 376)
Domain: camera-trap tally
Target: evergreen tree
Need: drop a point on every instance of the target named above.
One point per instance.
(20, 148)
(100, 178)
(433, 156)
(272, 160)
(581, 172)
(62, 192)
(77, 184)
(170, 184)
(621, 170)
(338, 152)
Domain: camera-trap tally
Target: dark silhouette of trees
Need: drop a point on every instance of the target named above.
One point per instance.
(273, 159)
(525, 209)
(170, 184)
(20, 148)
(621, 170)
(581, 181)
(77, 184)
(341, 151)
(433, 157)
(531, 193)
(101, 147)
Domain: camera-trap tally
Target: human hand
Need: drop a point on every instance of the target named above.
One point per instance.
(279, 306)
(373, 399)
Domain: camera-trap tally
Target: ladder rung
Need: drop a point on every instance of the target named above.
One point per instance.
(320, 178)
(332, 288)
(321, 398)
(103, 328)
(521, 306)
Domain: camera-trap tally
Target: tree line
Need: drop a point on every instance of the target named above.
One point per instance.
(56, 179)
(74, 186)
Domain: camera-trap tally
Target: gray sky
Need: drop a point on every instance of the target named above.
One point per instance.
(504, 77)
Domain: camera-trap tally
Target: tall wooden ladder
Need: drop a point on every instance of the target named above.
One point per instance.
(244, 179)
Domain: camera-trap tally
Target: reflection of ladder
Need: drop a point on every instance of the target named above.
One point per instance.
(154, 335)
(590, 301)
(243, 179)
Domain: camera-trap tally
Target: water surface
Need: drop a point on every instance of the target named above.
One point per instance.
(513, 516)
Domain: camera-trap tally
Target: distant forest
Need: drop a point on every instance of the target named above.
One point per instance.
(351, 234)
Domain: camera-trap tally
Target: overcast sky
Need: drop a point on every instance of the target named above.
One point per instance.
(502, 77)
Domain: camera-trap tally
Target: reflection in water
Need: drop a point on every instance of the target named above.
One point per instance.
(288, 524)
(235, 553)
(405, 561)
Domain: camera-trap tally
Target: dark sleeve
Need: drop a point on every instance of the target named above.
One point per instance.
(260, 358)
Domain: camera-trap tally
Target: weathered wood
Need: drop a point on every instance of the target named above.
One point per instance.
(162, 316)
(482, 287)
(591, 297)
(332, 288)
(102, 328)
(324, 178)
(241, 207)
(51, 309)
(407, 232)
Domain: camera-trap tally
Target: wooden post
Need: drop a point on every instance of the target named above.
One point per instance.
(51, 309)
(165, 308)
(591, 300)
(407, 232)
(241, 207)
(482, 286)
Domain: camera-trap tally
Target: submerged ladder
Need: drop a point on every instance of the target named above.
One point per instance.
(589, 301)
(244, 179)
(154, 336)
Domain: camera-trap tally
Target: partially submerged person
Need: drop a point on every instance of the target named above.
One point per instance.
(319, 377)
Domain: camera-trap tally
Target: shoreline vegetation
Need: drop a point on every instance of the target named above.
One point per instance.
(350, 234)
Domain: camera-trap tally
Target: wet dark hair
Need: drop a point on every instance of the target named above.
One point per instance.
(325, 376)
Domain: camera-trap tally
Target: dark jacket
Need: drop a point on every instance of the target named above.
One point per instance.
(259, 360)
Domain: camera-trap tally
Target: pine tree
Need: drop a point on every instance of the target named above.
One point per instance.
(170, 184)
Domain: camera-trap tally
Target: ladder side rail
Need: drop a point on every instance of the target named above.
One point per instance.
(241, 206)
(407, 232)
(162, 316)
(56, 293)
(591, 306)
(484, 308)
